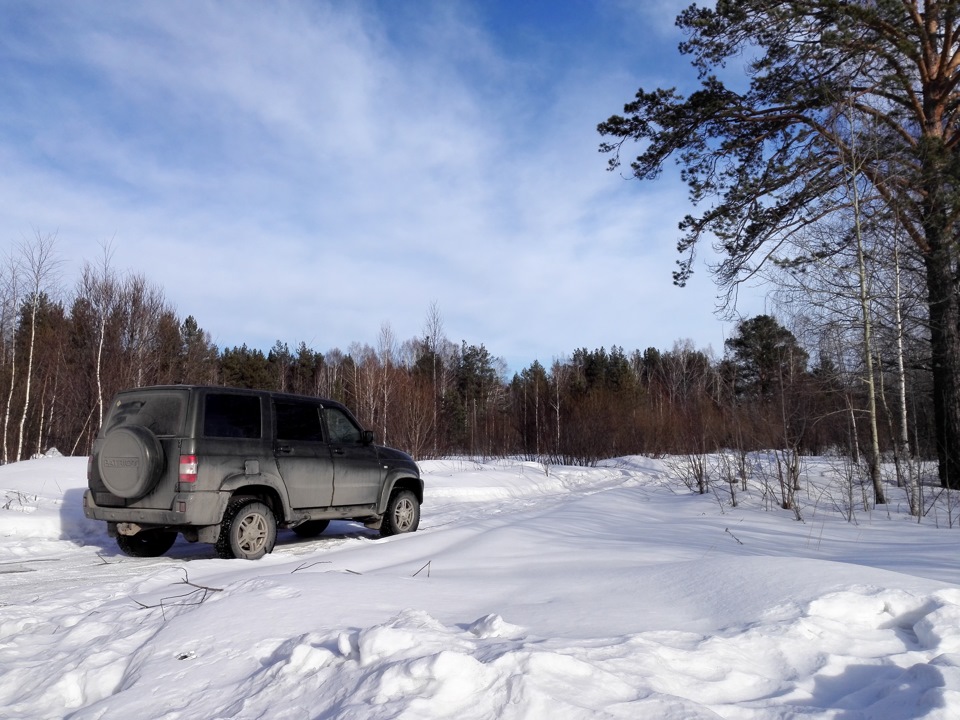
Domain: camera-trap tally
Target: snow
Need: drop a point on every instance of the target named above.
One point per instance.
(528, 592)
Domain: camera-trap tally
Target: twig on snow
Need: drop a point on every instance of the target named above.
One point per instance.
(727, 530)
(203, 590)
(307, 566)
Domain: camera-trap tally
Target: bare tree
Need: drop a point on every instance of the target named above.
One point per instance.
(9, 313)
(912, 482)
(387, 351)
(40, 265)
(852, 167)
(145, 311)
(99, 285)
(435, 338)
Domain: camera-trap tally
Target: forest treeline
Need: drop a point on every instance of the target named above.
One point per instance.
(64, 354)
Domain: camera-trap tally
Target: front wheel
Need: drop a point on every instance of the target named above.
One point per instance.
(147, 543)
(248, 530)
(403, 514)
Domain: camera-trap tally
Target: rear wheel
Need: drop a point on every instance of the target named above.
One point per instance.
(248, 530)
(311, 528)
(403, 514)
(147, 543)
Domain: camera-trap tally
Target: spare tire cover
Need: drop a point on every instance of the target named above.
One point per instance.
(130, 461)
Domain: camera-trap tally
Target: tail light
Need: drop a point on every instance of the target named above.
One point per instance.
(188, 468)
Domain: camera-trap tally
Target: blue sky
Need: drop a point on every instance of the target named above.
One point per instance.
(311, 171)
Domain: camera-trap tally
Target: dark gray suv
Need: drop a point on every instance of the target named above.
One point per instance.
(228, 466)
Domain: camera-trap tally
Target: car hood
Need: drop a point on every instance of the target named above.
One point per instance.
(397, 458)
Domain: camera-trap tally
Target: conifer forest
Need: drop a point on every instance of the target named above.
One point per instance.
(800, 380)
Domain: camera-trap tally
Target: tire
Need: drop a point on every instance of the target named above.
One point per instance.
(147, 543)
(248, 530)
(311, 528)
(403, 514)
(130, 462)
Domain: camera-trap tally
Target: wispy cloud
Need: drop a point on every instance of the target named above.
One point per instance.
(308, 171)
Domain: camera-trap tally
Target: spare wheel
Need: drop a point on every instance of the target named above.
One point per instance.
(130, 461)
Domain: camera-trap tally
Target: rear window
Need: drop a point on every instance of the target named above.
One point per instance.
(231, 416)
(161, 413)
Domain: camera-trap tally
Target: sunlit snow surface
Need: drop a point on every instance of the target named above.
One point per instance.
(608, 592)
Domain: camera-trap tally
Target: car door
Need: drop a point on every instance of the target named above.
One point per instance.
(302, 454)
(357, 474)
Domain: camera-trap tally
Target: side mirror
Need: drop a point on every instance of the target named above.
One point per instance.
(367, 437)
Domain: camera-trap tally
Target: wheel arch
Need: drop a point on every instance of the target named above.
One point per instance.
(400, 482)
(256, 487)
(261, 492)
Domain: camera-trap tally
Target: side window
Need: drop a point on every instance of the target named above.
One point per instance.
(231, 416)
(298, 421)
(341, 427)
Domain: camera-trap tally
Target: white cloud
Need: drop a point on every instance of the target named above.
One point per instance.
(308, 171)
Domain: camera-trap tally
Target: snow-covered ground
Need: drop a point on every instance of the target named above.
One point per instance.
(608, 592)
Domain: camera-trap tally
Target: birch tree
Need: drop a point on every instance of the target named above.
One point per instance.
(9, 314)
(99, 285)
(40, 265)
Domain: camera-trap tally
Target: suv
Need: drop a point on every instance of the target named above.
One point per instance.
(228, 466)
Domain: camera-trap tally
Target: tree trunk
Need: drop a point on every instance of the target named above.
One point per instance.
(8, 410)
(913, 490)
(944, 309)
(30, 348)
(940, 262)
(873, 461)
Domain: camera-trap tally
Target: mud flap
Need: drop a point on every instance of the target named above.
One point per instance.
(208, 534)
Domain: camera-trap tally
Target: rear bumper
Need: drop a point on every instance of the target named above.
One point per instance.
(186, 510)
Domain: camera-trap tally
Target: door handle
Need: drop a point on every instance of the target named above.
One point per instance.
(285, 449)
